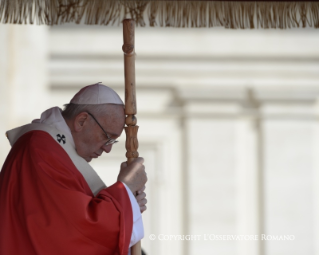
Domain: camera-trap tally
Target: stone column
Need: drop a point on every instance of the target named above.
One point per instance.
(249, 176)
(23, 77)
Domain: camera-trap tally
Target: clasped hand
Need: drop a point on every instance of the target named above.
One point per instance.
(134, 176)
(141, 199)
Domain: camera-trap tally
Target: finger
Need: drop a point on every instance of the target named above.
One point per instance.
(142, 202)
(139, 160)
(143, 208)
(141, 190)
(123, 165)
(140, 196)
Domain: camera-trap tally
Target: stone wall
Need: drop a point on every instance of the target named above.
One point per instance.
(228, 127)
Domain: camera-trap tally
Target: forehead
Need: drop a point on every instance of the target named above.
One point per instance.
(113, 121)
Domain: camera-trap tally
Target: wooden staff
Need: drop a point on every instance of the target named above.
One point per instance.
(130, 100)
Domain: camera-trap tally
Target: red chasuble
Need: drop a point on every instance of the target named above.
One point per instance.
(46, 206)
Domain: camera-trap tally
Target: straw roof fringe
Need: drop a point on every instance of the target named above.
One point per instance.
(229, 14)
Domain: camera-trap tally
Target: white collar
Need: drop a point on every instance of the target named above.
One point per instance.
(53, 117)
(54, 124)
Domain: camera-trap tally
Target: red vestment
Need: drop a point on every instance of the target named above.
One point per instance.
(47, 207)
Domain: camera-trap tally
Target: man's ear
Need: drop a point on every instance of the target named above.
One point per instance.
(80, 121)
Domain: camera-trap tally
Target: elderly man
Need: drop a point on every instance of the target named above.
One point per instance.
(52, 201)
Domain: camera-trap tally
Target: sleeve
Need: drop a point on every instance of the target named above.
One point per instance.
(52, 208)
(138, 228)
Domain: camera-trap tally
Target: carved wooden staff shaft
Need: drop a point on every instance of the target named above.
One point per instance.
(130, 100)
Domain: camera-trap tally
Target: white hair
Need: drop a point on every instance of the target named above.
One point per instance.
(70, 111)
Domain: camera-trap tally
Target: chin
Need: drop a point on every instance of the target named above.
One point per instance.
(88, 159)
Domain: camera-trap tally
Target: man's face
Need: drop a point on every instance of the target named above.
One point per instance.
(90, 139)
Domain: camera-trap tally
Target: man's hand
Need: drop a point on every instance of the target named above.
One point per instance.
(141, 200)
(134, 175)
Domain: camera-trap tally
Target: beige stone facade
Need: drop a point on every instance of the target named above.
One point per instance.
(228, 126)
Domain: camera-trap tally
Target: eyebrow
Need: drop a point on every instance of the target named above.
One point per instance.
(105, 133)
(112, 134)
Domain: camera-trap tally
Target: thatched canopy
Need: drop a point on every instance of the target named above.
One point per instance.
(178, 13)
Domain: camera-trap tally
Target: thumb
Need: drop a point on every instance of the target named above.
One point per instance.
(139, 160)
(123, 165)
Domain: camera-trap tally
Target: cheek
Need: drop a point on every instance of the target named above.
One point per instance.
(91, 143)
(87, 144)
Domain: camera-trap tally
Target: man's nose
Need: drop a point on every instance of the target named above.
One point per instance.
(107, 148)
